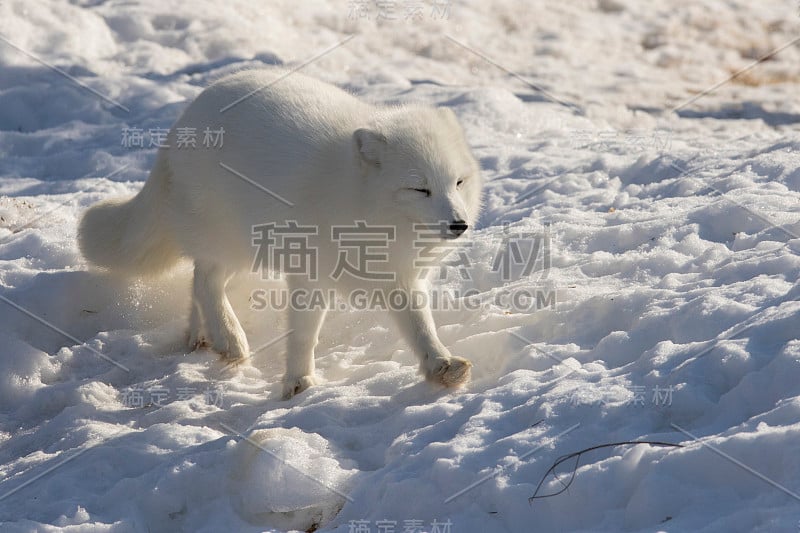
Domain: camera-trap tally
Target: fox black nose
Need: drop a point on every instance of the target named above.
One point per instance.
(458, 227)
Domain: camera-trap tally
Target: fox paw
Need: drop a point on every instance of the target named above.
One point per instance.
(234, 353)
(293, 386)
(195, 340)
(232, 346)
(451, 372)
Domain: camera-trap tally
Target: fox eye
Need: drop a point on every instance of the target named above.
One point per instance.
(460, 182)
(426, 192)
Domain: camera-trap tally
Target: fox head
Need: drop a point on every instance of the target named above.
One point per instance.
(418, 162)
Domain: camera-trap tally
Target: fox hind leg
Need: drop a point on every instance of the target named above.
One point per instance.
(305, 325)
(197, 337)
(212, 313)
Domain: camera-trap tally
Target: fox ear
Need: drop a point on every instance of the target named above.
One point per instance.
(368, 144)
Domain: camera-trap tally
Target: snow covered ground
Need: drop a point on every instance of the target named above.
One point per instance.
(671, 201)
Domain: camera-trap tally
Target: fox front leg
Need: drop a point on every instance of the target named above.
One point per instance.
(304, 326)
(436, 362)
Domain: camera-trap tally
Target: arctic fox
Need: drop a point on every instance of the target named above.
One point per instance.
(302, 153)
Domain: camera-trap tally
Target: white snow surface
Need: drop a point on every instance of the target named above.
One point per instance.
(674, 260)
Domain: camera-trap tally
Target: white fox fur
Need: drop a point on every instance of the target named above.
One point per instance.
(336, 160)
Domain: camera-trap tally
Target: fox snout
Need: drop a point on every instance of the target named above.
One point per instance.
(458, 227)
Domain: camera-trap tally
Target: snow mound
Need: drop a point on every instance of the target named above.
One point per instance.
(287, 479)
